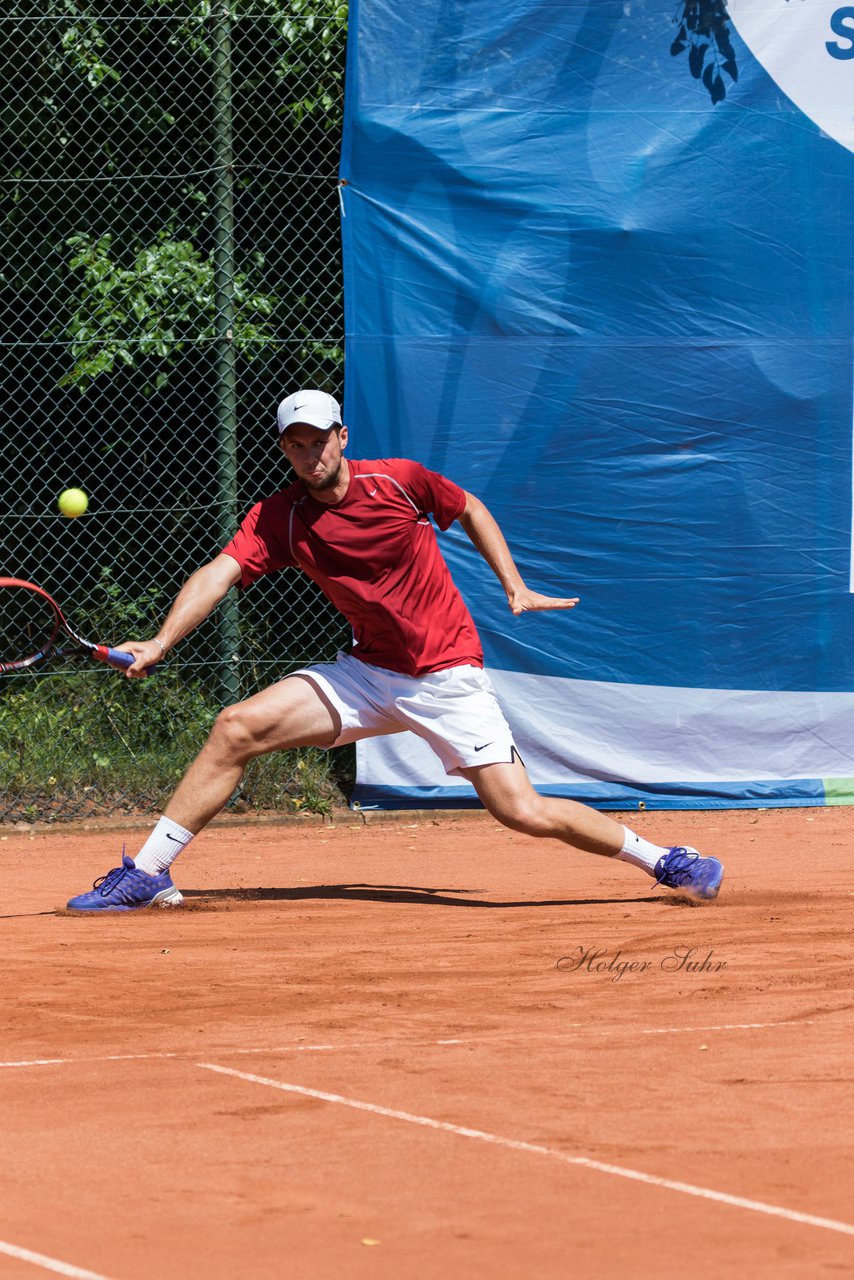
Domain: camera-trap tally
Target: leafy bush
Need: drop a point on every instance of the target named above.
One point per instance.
(154, 307)
(86, 742)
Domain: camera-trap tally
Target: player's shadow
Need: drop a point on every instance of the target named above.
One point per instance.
(394, 893)
(24, 915)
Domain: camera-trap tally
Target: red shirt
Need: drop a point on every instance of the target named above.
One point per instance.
(374, 554)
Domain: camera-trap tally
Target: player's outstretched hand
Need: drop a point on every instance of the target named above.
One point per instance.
(523, 600)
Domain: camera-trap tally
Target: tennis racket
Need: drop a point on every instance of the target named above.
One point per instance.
(33, 628)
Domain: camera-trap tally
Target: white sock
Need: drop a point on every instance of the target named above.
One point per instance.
(640, 852)
(162, 847)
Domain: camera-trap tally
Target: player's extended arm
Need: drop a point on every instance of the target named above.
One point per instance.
(198, 597)
(484, 532)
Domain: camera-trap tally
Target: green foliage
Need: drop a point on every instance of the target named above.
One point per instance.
(114, 613)
(81, 45)
(291, 782)
(79, 50)
(115, 204)
(84, 740)
(314, 353)
(88, 741)
(154, 307)
(313, 33)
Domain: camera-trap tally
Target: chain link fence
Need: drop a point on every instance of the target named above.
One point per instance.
(170, 268)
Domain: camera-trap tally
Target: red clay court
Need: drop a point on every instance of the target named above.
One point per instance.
(428, 1047)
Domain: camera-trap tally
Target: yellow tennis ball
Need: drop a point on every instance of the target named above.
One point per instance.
(72, 503)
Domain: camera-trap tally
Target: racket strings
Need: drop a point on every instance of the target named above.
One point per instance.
(28, 625)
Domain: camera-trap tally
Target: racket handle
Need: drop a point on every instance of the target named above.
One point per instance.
(116, 657)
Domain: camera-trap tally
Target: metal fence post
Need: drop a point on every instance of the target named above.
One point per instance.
(226, 398)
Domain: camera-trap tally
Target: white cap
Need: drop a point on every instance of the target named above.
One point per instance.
(314, 408)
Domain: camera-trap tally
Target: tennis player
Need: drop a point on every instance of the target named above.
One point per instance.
(362, 532)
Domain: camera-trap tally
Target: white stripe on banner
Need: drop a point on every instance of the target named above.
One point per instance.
(576, 730)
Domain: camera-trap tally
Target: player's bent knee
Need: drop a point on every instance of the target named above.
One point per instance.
(232, 735)
(525, 814)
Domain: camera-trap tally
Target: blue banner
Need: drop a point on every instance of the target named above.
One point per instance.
(597, 272)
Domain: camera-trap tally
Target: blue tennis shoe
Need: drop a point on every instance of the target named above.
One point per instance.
(684, 869)
(125, 888)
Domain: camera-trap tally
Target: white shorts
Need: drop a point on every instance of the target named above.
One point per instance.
(455, 711)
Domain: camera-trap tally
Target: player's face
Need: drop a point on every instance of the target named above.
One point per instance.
(316, 456)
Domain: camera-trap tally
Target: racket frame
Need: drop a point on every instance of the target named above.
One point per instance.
(101, 652)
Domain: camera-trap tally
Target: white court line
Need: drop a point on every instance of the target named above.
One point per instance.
(404, 1044)
(48, 1264)
(725, 1026)
(739, 1202)
(144, 1057)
